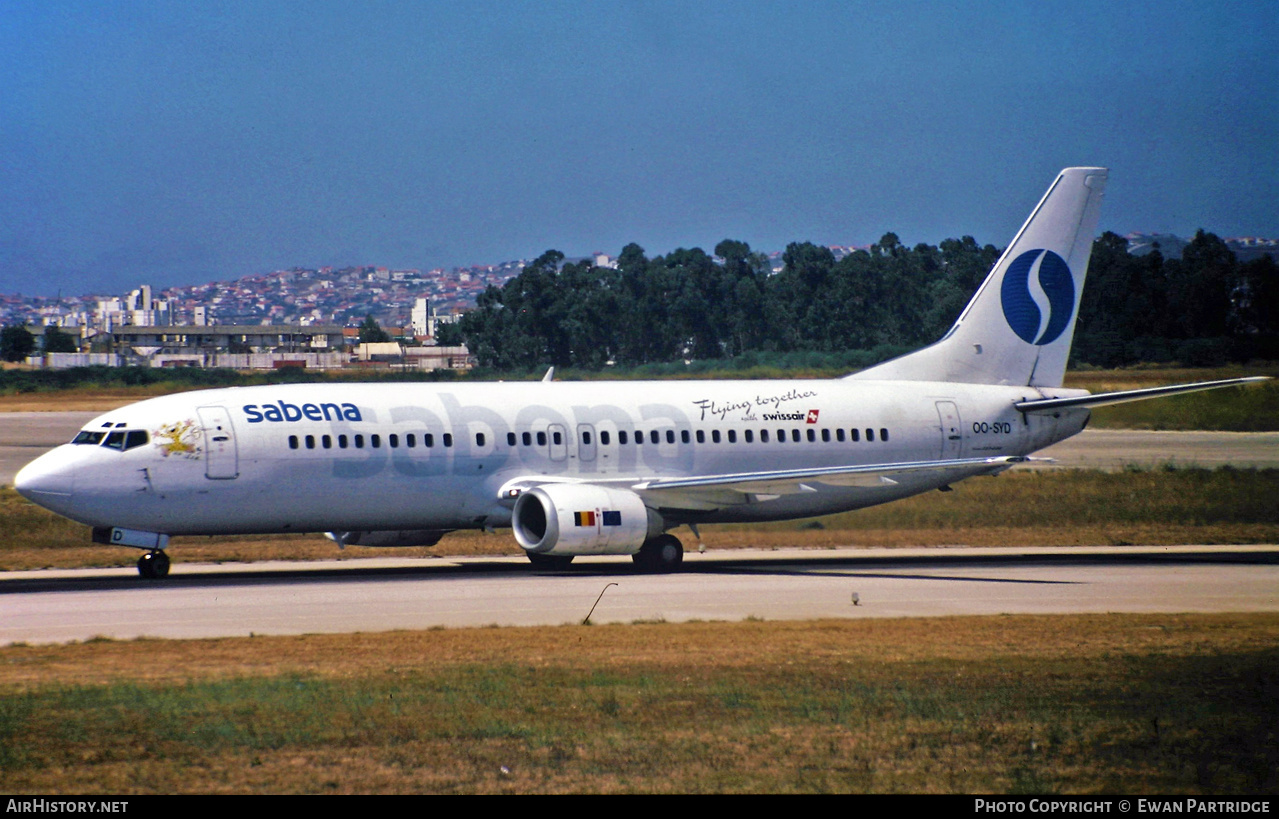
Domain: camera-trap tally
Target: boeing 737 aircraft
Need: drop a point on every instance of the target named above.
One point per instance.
(595, 469)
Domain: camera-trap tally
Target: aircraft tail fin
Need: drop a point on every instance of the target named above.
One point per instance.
(1018, 327)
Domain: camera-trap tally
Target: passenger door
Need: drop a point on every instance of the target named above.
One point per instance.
(221, 458)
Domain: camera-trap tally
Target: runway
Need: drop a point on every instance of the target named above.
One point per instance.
(26, 435)
(205, 601)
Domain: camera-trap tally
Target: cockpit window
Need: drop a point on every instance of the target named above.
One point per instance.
(126, 439)
(87, 437)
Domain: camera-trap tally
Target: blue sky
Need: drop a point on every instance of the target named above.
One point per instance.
(179, 142)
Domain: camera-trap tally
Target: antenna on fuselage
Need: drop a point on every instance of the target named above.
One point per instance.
(550, 374)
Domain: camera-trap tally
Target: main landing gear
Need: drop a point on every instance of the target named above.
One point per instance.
(154, 565)
(658, 555)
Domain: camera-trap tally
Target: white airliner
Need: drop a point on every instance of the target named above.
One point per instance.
(602, 468)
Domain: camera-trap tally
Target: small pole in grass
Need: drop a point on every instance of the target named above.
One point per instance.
(587, 621)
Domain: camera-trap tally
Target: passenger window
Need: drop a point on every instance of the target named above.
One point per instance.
(652, 436)
(839, 435)
(826, 436)
(781, 436)
(639, 437)
(394, 440)
(715, 436)
(604, 437)
(883, 434)
(621, 436)
(541, 439)
(870, 434)
(586, 437)
(670, 436)
(857, 436)
(479, 439)
(310, 442)
(376, 440)
(448, 439)
(428, 440)
(510, 439)
(812, 435)
(411, 440)
(794, 435)
(732, 436)
(527, 438)
(359, 441)
(701, 436)
(342, 442)
(557, 438)
(326, 442)
(750, 436)
(293, 442)
(763, 436)
(683, 435)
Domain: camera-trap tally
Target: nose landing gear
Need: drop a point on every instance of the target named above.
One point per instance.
(154, 565)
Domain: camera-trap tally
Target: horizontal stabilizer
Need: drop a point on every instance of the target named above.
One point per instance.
(1103, 399)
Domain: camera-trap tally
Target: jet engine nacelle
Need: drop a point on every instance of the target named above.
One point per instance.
(582, 519)
(388, 537)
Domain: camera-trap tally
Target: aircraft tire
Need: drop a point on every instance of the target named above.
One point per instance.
(154, 565)
(659, 555)
(550, 562)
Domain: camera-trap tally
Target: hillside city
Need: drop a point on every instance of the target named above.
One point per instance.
(318, 310)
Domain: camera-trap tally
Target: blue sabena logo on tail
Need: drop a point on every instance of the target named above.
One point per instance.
(1020, 309)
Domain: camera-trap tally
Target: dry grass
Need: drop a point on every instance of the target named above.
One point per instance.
(81, 400)
(1085, 704)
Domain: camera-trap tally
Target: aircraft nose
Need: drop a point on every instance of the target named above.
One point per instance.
(47, 478)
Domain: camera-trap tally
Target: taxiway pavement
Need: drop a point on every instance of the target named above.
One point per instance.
(381, 594)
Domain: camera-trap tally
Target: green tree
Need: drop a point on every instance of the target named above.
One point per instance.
(16, 343)
(371, 332)
(56, 341)
(449, 334)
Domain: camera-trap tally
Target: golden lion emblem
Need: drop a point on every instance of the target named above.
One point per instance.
(179, 438)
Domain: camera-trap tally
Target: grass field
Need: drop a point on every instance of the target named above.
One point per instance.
(1141, 704)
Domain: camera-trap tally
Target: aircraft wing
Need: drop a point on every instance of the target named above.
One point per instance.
(1103, 399)
(715, 491)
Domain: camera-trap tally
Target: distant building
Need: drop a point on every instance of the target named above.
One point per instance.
(426, 320)
(146, 342)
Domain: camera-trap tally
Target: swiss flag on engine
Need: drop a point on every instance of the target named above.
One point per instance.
(812, 417)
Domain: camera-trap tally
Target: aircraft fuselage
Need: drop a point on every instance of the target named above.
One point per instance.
(320, 457)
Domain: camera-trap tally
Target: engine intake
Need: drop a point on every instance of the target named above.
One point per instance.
(582, 519)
